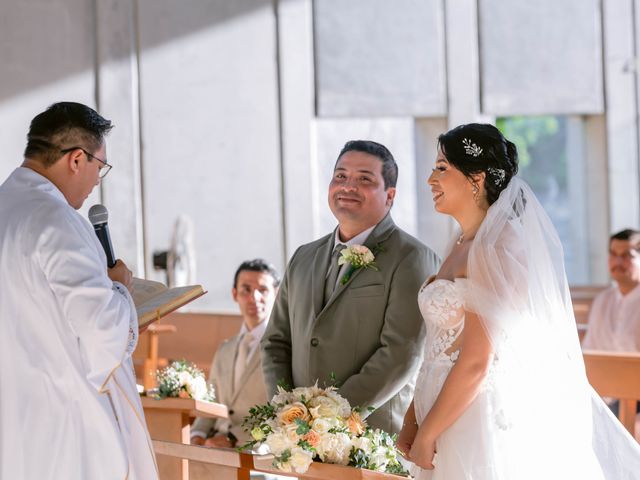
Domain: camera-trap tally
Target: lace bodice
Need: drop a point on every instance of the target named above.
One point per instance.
(441, 303)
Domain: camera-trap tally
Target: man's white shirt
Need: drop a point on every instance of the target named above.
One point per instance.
(357, 240)
(614, 321)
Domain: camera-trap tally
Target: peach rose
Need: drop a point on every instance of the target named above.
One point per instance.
(356, 424)
(293, 411)
(312, 437)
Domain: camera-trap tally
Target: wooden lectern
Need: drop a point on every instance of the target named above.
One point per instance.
(169, 419)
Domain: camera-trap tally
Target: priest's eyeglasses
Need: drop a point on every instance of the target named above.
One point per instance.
(104, 166)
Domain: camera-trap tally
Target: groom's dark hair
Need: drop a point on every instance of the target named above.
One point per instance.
(389, 165)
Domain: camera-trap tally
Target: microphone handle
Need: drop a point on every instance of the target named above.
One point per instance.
(102, 232)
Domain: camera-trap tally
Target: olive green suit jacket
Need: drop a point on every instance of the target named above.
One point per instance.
(369, 335)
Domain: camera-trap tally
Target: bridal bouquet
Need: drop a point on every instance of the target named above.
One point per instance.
(313, 423)
(184, 380)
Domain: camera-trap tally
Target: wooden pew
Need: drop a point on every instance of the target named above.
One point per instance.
(616, 375)
(170, 420)
(228, 464)
(582, 297)
(208, 463)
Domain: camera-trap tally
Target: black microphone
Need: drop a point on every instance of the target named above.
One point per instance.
(98, 217)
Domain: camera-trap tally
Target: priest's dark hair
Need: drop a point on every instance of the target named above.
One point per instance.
(257, 265)
(65, 125)
(389, 165)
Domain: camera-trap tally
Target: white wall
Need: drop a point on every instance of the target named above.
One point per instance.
(234, 112)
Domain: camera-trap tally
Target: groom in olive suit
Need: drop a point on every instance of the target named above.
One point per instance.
(359, 325)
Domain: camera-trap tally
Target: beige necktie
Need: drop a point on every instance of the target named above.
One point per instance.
(241, 359)
(332, 274)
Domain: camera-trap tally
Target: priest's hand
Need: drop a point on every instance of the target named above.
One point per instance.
(196, 440)
(120, 273)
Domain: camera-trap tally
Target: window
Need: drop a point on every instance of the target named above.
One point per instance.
(552, 161)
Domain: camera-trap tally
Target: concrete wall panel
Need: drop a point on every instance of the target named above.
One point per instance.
(210, 135)
(379, 58)
(541, 57)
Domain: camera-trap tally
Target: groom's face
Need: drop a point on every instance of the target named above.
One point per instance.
(356, 191)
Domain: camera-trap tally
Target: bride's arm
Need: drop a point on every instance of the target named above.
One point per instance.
(460, 388)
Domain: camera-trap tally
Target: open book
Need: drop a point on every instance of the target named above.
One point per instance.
(154, 300)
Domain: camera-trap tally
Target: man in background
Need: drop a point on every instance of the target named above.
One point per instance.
(614, 317)
(236, 370)
(69, 407)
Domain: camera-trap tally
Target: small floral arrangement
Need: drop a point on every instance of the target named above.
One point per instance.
(184, 380)
(313, 423)
(358, 256)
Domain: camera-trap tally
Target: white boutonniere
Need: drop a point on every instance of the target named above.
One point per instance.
(358, 256)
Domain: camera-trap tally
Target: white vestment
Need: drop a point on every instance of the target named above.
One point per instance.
(69, 408)
(614, 321)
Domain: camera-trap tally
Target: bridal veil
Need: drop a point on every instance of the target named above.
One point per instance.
(541, 400)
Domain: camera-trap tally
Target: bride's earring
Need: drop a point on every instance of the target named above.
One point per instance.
(475, 191)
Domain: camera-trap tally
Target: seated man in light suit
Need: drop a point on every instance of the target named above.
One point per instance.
(236, 371)
(359, 326)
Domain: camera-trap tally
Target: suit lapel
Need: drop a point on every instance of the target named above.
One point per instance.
(379, 234)
(319, 269)
(226, 380)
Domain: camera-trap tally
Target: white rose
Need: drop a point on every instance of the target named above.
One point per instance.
(300, 459)
(197, 388)
(343, 407)
(323, 425)
(184, 378)
(291, 432)
(379, 459)
(363, 443)
(278, 442)
(334, 448)
(322, 406)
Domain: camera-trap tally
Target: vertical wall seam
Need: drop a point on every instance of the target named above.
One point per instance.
(634, 72)
(138, 104)
(281, 154)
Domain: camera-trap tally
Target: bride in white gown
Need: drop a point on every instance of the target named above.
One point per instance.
(502, 393)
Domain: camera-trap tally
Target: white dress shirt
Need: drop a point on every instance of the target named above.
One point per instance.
(256, 335)
(614, 321)
(357, 240)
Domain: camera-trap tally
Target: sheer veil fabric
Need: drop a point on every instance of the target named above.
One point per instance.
(548, 420)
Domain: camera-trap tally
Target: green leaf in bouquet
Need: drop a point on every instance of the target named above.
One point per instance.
(303, 426)
(282, 383)
(306, 445)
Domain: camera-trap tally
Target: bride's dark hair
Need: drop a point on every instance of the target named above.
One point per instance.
(479, 147)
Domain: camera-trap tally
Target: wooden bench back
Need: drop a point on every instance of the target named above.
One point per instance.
(616, 375)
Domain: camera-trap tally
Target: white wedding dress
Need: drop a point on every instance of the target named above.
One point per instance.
(467, 450)
(483, 443)
(535, 416)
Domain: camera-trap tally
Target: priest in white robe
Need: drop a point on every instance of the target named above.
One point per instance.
(69, 408)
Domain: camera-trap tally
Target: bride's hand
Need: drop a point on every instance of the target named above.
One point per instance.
(406, 437)
(423, 451)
